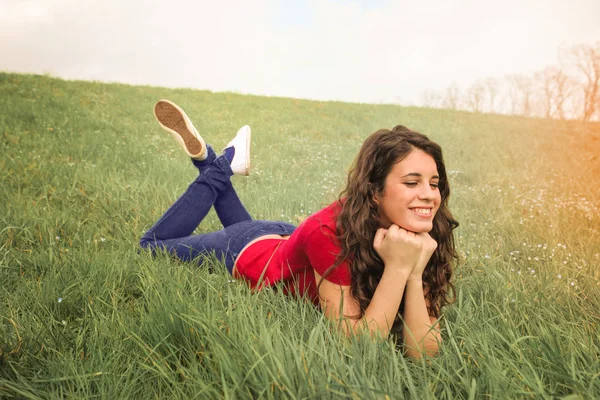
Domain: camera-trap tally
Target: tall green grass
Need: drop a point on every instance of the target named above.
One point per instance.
(85, 170)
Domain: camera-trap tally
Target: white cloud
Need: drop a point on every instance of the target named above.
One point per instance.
(345, 51)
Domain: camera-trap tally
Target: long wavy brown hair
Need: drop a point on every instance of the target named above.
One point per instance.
(358, 219)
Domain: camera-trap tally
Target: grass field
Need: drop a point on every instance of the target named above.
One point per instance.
(85, 170)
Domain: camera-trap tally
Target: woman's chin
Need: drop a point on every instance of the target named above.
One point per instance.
(418, 228)
(415, 227)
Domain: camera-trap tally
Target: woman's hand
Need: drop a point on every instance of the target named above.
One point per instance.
(399, 249)
(428, 248)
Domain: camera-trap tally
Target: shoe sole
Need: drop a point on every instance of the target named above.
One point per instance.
(171, 118)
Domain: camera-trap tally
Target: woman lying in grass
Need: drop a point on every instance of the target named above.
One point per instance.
(367, 259)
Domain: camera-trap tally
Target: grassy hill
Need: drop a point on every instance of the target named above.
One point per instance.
(85, 170)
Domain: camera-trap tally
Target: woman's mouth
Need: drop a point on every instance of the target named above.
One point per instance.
(422, 212)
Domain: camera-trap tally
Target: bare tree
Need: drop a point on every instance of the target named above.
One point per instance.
(554, 90)
(431, 99)
(545, 81)
(563, 86)
(512, 95)
(451, 98)
(585, 60)
(475, 96)
(521, 93)
(491, 87)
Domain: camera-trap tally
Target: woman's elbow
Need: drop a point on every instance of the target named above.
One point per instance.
(356, 326)
(430, 347)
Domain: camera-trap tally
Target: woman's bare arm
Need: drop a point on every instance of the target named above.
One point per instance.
(338, 304)
(420, 332)
(400, 250)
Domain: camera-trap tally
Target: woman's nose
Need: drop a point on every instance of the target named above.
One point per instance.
(426, 192)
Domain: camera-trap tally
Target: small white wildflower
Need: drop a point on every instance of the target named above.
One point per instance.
(57, 238)
(60, 299)
(102, 239)
(572, 283)
(559, 276)
(533, 271)
(64, 322)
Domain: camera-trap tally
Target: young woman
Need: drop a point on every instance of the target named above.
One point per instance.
(378, 258)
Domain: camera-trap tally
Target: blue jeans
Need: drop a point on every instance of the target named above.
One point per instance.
(173, 231)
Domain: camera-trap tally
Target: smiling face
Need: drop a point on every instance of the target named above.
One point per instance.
(410, 197)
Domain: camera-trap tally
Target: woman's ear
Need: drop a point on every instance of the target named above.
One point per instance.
(373, 194)
(376, 199)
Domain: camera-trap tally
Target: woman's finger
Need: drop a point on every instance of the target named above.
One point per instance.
(379, 236)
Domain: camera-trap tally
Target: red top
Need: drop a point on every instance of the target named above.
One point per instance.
(312, 247)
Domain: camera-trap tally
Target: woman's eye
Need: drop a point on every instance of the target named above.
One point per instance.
(410, 184)
(435, 185)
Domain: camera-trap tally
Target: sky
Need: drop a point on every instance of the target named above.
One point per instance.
(349, 50)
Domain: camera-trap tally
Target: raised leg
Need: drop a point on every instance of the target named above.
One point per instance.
(228, 205)
(184, 216)
(212, 187)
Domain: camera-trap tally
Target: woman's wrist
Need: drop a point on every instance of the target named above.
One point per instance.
(396, 272)
(415, 278)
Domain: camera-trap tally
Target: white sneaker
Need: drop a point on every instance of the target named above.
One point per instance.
(175, 121)
(240, 164)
